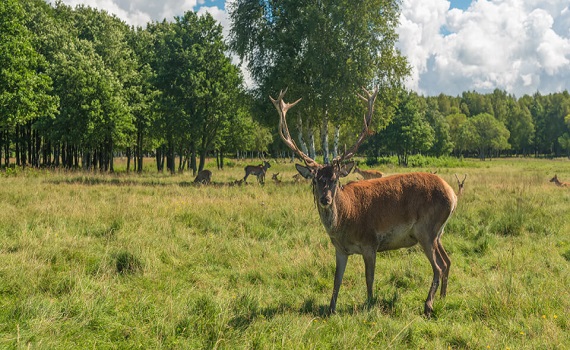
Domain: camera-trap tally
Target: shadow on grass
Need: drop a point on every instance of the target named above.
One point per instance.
(93, 181)
(246, 316)
(385, 305)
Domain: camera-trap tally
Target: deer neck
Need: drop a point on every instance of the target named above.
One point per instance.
(333, 215)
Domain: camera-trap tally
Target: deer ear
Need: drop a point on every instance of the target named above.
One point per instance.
(305, 171)
(345, 169)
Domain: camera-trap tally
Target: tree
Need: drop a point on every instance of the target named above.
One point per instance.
(324, 51)
(409, 131)
(521, 128)
(491, 134)
(564, 142)
(442, 144)
(25, 88)
(141, 95)
(197, 84)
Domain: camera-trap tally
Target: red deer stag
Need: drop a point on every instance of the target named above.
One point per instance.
(460, 184)
(204, 177)
(368, 174)
(558, 182)
(257, 170)
(370, 216)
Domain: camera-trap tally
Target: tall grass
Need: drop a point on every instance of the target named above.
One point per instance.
(151, 261)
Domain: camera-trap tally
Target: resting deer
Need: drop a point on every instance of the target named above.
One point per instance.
(298, 178)
(558, 182)
(368, 174)
(460, 184)
(257, 170)
(275, 178)
(366, 217)
(203, 177)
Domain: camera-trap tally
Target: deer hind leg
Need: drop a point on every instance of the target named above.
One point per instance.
(435, 260)
(446, 264)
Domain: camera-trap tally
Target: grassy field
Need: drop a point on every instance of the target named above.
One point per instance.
(153, 262)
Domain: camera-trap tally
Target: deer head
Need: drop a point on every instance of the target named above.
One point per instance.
(325, 177)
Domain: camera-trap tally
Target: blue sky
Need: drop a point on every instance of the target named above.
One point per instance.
(460, 4)
(520, 46)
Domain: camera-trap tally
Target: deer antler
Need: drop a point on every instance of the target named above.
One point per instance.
(282, 109)
(369, 99)
(460, 182)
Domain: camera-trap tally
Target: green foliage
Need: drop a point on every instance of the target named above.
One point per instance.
(323, 52)
(24, 87)
(409, 131)
(490, 134)
(564, 142)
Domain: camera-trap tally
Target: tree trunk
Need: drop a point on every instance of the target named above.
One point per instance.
(193, 159)
(202, 160)
(336, 141)
(300, 136)
(170, 158)
(312, 150)
(325, 139)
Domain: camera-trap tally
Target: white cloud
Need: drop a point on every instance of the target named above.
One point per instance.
(139, 12)
(519, 46)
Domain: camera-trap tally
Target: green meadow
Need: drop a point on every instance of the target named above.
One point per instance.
(151, 261)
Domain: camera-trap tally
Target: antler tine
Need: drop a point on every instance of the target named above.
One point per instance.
(464, 178)
(369, 99)
(282, 109)
(456, 178)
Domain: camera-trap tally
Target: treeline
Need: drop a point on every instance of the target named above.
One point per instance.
(476, 125)
(78, 86)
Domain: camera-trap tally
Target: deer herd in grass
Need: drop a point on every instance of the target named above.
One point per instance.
(378, 213)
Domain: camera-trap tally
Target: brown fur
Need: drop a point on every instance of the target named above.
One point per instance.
(398, 211)
(204, 177)
(558, 182)
(368, 174)
(460, 185)
(275, 178)
(257, 170)
(369, 216)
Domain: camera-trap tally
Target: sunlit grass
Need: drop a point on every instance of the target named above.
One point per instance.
(152, 261)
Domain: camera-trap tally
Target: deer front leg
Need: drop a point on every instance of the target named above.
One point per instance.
(341, 261)
(369, 267)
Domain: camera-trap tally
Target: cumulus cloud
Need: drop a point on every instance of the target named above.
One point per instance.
(518, 46)
(139, 12)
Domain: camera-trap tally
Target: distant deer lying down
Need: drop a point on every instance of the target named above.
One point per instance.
(298, 178)
(558, 182)
(460, 184)
(368, 174)
(365, 217)
(257, 170)
(275, 178)
(203, 177)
